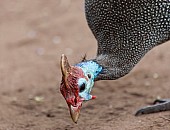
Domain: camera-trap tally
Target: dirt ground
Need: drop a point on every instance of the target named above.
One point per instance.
(33, 35)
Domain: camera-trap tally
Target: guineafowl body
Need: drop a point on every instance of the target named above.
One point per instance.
(125, 31)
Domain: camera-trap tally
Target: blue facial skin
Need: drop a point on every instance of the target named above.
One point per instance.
(89, 68)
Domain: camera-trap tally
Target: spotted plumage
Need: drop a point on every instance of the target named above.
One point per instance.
(125, 31)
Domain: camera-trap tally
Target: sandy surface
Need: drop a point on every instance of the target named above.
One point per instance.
(33, 35)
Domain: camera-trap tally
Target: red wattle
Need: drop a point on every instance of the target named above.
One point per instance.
(93, 97)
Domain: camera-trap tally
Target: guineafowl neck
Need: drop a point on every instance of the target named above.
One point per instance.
(112, 67)
(105, 67)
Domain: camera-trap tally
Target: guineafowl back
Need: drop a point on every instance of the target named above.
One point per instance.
(125, 31)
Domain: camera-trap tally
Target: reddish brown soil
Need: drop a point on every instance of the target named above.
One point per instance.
(33, 35)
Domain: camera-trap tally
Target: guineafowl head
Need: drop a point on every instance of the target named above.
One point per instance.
(77, 82)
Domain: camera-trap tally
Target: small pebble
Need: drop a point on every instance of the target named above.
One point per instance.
(60, 105)
(39, 99)
(155, 76)
(110, 106)
(147, 83)
(14, 99)
(139, 121)
(158, 97)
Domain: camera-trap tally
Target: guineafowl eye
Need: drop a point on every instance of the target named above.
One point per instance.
(89, 76)
(82, 87)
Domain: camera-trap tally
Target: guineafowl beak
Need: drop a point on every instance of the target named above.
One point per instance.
(74, 112)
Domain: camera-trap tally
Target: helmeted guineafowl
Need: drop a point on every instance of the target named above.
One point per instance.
(125, 31)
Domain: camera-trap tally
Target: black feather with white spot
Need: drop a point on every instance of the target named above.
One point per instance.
(125, 31)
